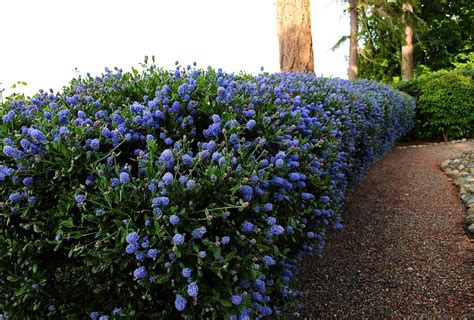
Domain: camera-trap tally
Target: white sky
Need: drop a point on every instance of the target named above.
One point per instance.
(43, 41)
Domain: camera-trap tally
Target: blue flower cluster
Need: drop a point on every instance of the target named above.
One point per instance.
(186, 191)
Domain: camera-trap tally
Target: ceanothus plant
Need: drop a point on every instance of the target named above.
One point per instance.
(187, 193)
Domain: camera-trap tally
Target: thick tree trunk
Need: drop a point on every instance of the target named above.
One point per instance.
(294, 34)
(354, 20)
(407, 48)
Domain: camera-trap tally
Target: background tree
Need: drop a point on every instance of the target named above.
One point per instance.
(294, 35)
(441, 33)
(407, 47)
(381, 36)
(354, 39)
(448, 36)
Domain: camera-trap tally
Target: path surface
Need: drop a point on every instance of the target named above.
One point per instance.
(403, 252)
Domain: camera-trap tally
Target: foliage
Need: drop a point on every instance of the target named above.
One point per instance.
(382, 36)
(442, 38)
(186, 193)
(446, 38)
(445, 104)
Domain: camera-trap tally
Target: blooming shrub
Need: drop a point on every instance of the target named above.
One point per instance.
(190, 193)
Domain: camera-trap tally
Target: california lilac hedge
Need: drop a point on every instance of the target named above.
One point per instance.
(190, 193)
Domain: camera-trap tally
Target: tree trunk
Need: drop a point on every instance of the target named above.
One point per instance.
(407, 48)
(294, 34)
(354, 20)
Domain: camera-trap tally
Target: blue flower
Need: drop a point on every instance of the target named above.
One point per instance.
(8, 117)
(160, 201)
(178, 239)
(187, 160)
(95, 144)
(251, 123)
(225, 240)
(236, 299)
(246, 192)
(131, 248)
(140, 273)
(221, 161)
(63, 130)
(216, 118)
(114, 182)
(186, 272)
(14, 197)
(180, 302)
(247, 227)
(152, 253)
(267, 207)
(117, 311)
(213, 130)
(124, 177)
(276, 230)
(94, 315)
(202, 254)
(265, 311)
(199, 232)
(157, 212)
(37, 135)
(90, 180)
(271, 221)
(167, 158)
(167, 178)
(80, 198)
(191, 184)
(245, 315)
(132, 238)
(307, 196)
(193, 289)
(99, 212)
(294, 176)
(234, 138)
(269, 261)
(279, 163)
(12, 152)
(221, 91)
(183, 179)
(174, 219)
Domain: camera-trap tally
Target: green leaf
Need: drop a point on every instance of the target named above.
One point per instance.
(226, 303)
(68, 223)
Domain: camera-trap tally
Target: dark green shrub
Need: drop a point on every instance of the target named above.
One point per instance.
(445, 104)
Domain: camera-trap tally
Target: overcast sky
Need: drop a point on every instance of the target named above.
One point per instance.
(43, 41)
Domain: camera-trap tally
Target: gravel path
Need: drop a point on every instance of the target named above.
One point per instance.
(403, 252)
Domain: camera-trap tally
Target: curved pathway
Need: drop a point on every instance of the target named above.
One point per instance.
(403, 252)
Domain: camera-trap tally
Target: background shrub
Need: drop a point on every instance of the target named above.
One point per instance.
(188, 193)
(445, 104)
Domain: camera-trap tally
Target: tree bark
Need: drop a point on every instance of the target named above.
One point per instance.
(294, 35)
(354, 22)
(407, 48)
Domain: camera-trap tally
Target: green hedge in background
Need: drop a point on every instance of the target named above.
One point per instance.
(445, 104)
